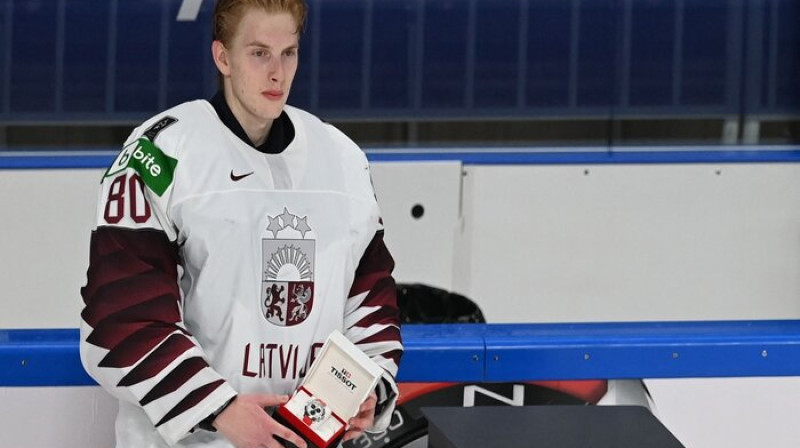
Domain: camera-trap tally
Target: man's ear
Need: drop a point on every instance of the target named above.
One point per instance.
(220, 55)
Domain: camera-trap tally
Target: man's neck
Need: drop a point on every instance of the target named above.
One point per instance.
(256, 131)
(277, 135)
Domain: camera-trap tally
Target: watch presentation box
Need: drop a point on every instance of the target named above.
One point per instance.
(339, 380)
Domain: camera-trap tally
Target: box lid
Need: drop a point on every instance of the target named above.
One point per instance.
(342, 375)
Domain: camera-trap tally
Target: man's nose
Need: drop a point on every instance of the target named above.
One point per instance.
(275, 69)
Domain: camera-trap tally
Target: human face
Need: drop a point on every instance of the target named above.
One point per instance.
(258, 67)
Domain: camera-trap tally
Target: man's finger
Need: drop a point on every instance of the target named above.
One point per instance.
(361, 422)
(367, 405)
(266, 400)
(289, 435)
(358, 424)
(350, 435)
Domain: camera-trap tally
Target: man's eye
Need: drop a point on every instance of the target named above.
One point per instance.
(259, 53)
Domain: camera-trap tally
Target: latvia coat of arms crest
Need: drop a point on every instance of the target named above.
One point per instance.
(287, 287)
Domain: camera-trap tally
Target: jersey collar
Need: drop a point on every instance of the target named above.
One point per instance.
(280, 135)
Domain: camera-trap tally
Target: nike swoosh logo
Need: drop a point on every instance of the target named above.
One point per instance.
(237, 178)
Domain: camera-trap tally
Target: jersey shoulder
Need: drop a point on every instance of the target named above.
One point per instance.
(153, 150)
(170, 127)
(318, 132)
(326, 142)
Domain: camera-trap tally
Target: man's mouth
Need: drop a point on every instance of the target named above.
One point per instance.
(272, 95)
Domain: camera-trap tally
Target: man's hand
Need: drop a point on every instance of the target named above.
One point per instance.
(247, 425)
(363, 420)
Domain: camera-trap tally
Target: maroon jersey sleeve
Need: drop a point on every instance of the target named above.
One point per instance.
(372, 320)
(132, 339)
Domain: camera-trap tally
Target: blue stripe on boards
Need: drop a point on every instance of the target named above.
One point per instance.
(12, 160)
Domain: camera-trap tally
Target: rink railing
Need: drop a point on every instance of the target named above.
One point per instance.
(39, 159)
(503, 352)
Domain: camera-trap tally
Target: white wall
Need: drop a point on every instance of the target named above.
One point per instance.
(56, 417)
(528, 243)
(423, 247)
(632, 242)
(47, 219)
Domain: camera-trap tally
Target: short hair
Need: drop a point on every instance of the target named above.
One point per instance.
(228, 14)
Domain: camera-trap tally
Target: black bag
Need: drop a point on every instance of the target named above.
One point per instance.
(423, 304)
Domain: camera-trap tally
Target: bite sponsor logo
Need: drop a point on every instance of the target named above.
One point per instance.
(154, 167)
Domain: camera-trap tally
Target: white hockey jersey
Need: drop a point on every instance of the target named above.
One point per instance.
(217, 269)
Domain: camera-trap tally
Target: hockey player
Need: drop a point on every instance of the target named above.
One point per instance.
(232, 237)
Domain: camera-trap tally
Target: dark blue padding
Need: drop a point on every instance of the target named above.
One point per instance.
(577, 156)
(504, 352)
(34, 160)
(477, 156)
(112, 62)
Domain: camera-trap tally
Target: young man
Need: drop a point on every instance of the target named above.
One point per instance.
(232, 237)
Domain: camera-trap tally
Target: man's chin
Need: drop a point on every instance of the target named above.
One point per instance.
(273, 112)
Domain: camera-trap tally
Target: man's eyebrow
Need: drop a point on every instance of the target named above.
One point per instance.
(256, 43)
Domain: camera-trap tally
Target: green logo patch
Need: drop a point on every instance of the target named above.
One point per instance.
(155, 168)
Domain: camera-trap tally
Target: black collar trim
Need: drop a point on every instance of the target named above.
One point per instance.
(280, 135)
